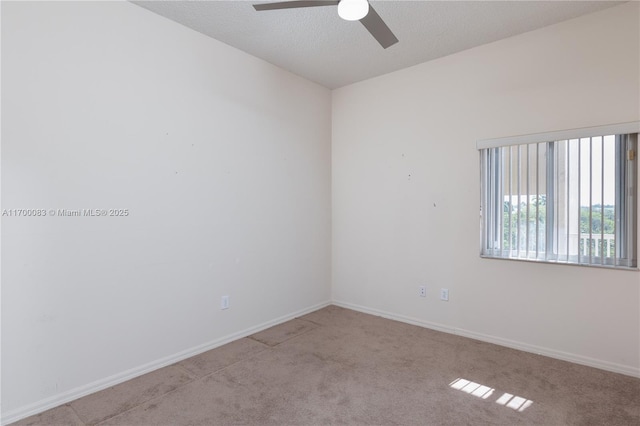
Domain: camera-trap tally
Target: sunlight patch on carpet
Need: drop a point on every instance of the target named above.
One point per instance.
(479, 390)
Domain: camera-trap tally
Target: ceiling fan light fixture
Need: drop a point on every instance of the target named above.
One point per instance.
(353, 10)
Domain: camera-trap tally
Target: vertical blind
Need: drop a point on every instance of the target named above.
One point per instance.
(569, 200)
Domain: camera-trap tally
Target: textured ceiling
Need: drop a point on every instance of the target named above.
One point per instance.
(316, 44)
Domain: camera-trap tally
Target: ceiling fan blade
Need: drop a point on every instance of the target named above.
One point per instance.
(294, 4)
(378, 29)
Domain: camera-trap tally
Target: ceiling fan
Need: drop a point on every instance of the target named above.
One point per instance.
(350, 10)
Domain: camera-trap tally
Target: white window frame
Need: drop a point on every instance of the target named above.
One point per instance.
(627, 206)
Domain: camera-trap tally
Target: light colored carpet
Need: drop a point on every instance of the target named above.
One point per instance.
(337, 366)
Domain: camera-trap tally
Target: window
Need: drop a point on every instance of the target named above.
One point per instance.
(565, 197)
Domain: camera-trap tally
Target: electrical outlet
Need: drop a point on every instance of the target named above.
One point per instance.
(423, 291)
(224, 302)
(444, 294)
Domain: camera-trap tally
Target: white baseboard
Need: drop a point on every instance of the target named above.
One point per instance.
(98, 385)
(552, 353)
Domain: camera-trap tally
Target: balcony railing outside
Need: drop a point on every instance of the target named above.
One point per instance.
(594, 240)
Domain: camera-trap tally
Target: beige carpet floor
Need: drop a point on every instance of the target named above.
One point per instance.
(337, 366)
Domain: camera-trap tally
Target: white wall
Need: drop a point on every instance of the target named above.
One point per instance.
(405, 190)
(222, 159)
